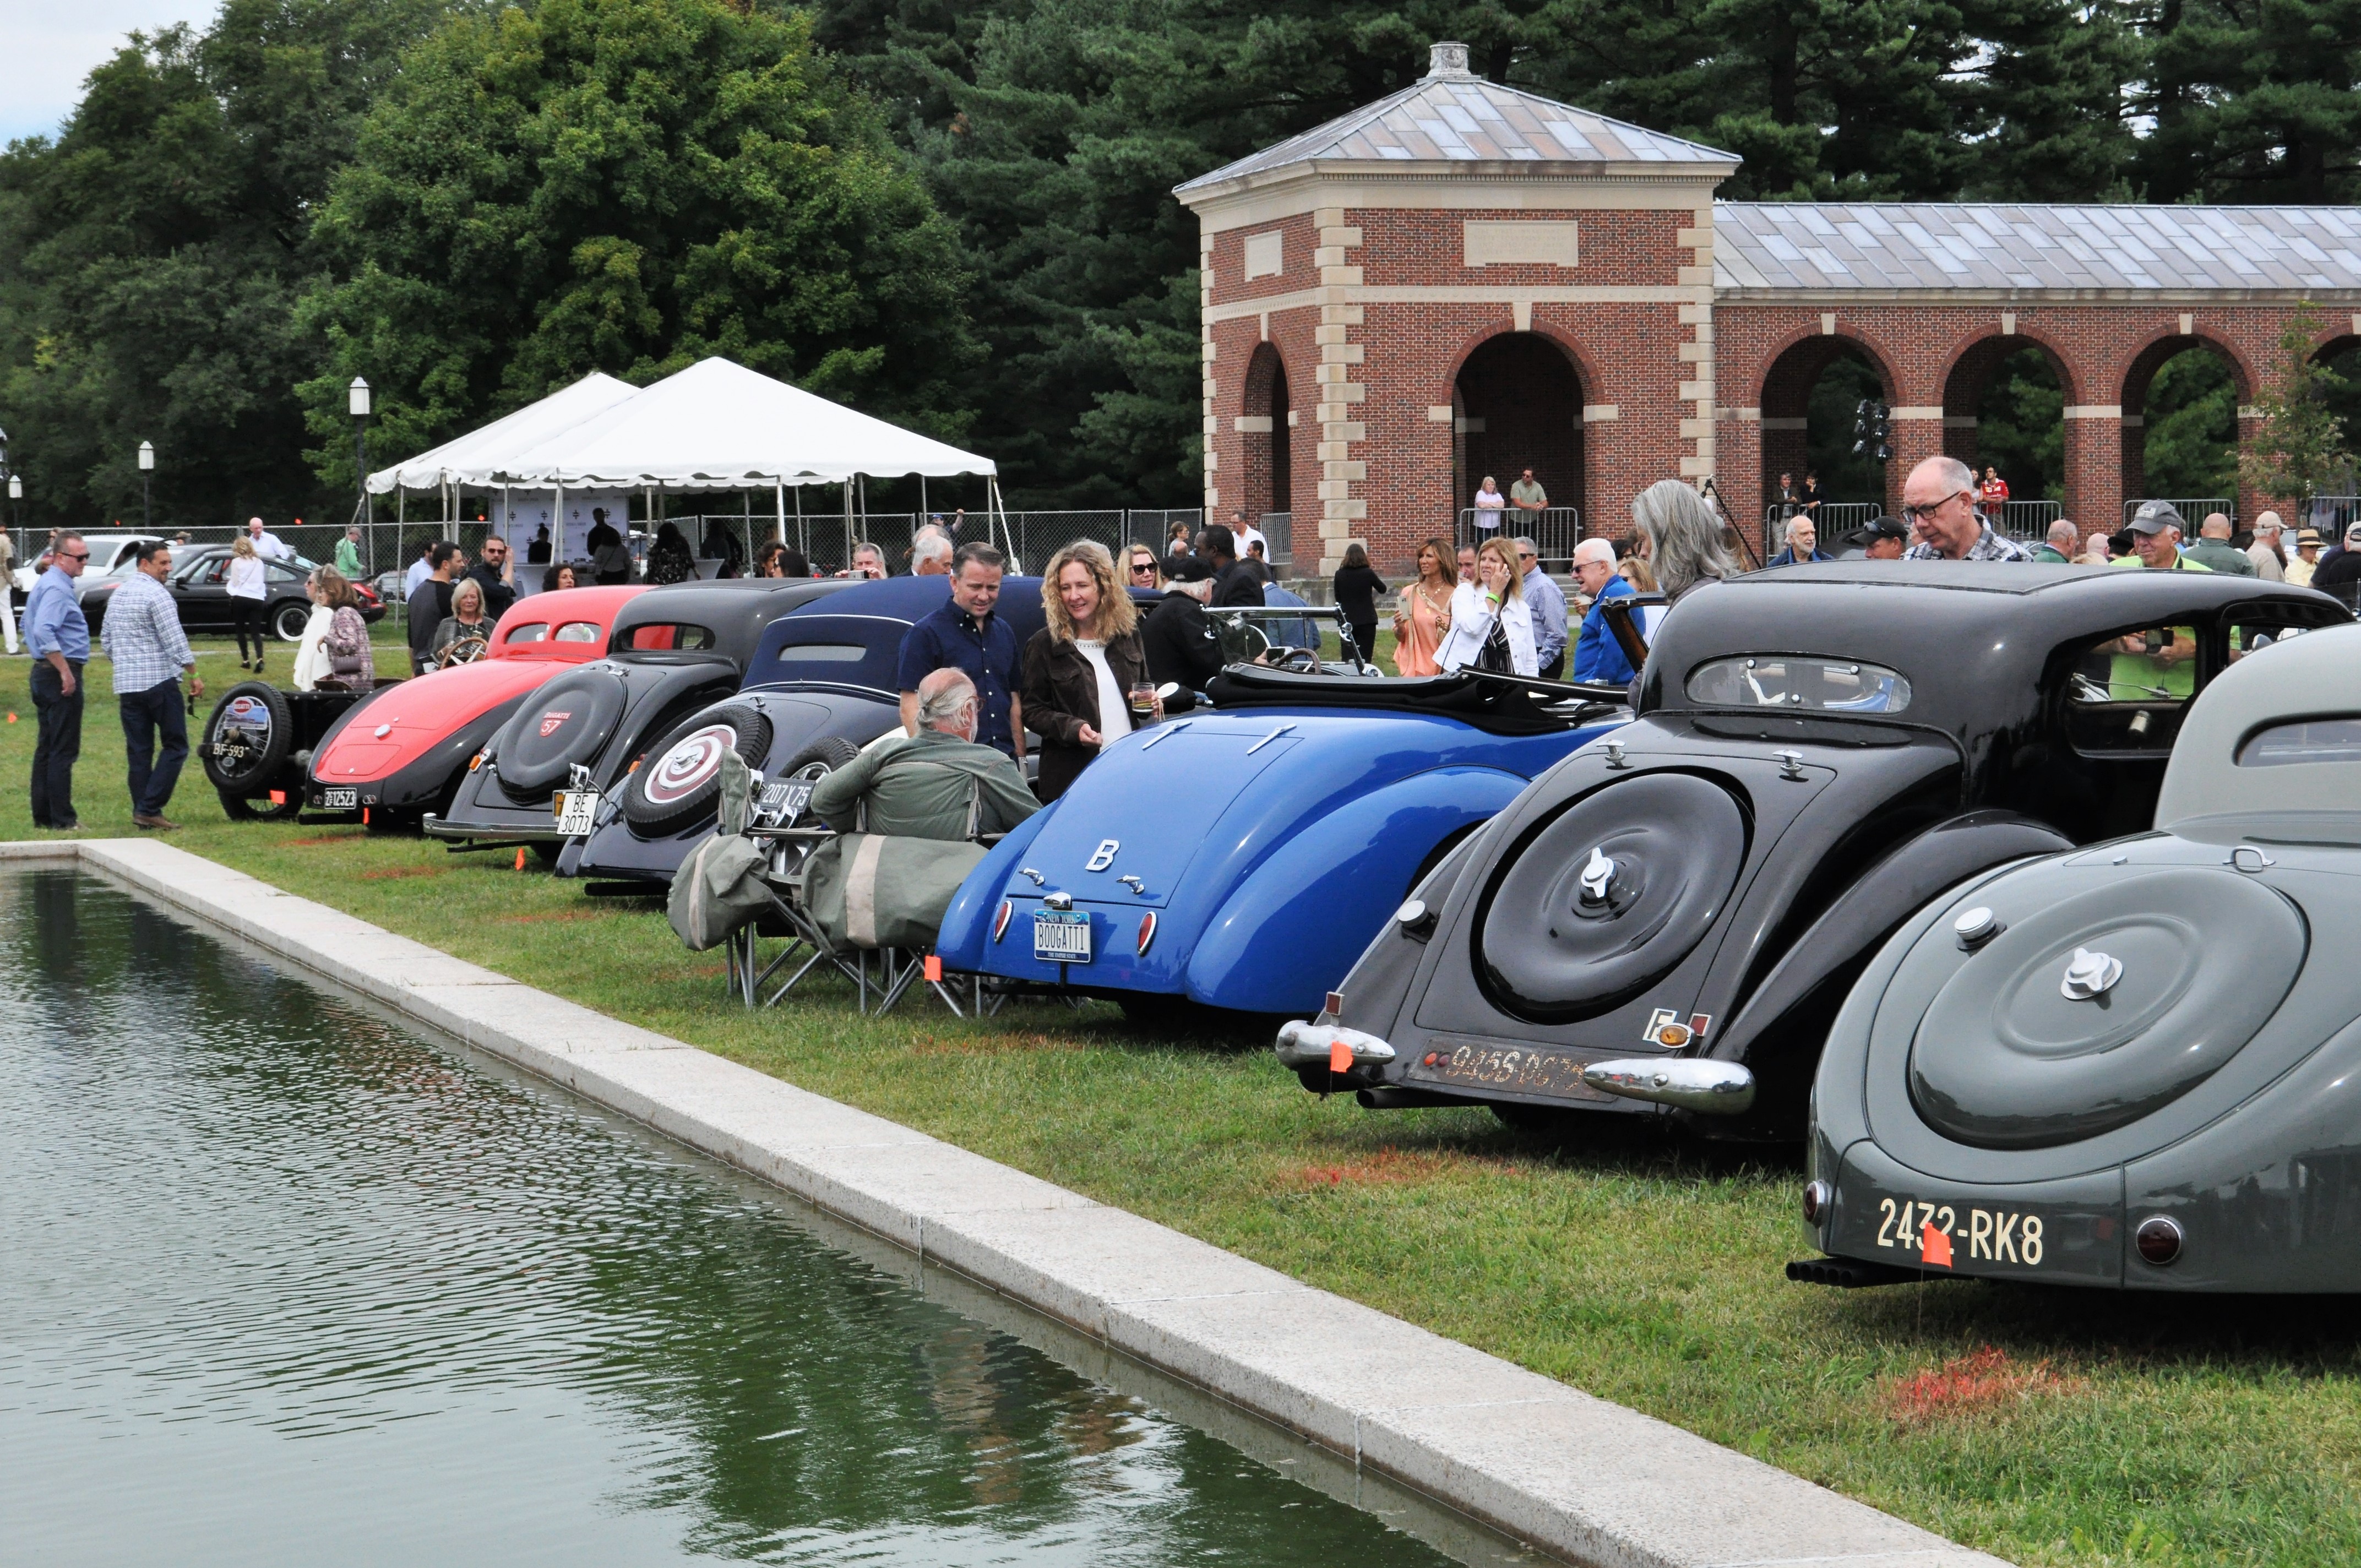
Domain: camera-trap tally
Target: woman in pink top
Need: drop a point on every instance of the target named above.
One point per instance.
(1424, 612)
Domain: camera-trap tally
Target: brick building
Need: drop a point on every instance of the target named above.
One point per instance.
(1464, 279)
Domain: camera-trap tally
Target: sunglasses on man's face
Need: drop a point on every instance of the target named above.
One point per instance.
(65, 555)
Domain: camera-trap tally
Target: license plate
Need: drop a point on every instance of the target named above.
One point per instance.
(1519, 1070)
(343, 799)
(1061, 937)
(785, 801)
(577, 810)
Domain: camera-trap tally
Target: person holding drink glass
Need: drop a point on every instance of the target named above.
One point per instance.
(1085, 684)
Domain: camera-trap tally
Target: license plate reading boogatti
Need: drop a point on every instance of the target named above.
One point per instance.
(1061, 937)
(577, 811)
(343, 799)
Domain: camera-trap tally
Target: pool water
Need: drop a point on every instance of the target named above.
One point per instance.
(282, 1281)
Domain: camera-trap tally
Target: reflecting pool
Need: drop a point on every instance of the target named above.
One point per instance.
(282, 1281)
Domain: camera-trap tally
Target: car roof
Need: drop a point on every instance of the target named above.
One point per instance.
(600, 605)
(735, 608)
(2315, 676)
(1966, 634)
(874, 616)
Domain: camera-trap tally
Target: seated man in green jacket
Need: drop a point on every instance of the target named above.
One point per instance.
(925, 786)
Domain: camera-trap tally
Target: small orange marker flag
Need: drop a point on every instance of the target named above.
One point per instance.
(934, 969)
(1340, 1055)
(520, 857)
(12, 719)
(278, 798)
(1934, 1245)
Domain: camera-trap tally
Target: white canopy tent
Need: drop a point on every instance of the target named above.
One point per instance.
(714, 426)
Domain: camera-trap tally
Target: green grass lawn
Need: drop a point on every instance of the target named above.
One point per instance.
(2045, 1426)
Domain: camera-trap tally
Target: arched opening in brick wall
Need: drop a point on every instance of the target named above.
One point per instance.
(1517, 404)
(2004, 410)
(1267, 485)
(2180, 402)
(2342, 356)
(1809, 397)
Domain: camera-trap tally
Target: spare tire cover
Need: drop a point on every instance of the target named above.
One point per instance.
(565, 723)
(1547, 952)
(247, 739)
(2005, 1058)
(681, 779)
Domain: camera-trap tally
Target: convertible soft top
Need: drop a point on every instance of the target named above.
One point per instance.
(1495, 707)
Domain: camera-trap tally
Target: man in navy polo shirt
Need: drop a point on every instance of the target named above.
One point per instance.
(966, 635)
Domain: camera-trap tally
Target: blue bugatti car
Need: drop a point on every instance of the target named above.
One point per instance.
(1243, 857)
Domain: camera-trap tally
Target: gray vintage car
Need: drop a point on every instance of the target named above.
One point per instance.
(2136, 1064)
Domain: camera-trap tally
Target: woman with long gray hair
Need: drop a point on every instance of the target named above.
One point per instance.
(1681, 537)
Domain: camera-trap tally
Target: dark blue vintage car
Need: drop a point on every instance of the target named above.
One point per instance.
(1243, 857)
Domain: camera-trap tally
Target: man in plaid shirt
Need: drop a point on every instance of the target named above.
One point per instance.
(142, 634)
(1940, 499)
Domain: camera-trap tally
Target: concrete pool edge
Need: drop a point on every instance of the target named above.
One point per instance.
(1584, 1479)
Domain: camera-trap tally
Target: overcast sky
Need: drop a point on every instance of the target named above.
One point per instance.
(47, 47)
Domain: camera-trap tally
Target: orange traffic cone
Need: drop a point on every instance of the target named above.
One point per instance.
(520, 857)
(12, 719)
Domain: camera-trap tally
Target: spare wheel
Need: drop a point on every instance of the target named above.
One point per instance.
(247, 739)
(1609, 897)
(566, 723)
(681, 779)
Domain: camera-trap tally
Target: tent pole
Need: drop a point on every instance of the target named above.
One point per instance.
(923, 517)
(848, 522)
(1000, 515)
(783, 510)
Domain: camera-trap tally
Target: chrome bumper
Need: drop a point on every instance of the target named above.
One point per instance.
(1308, 1044)
(1690, 1083)
(434, 827)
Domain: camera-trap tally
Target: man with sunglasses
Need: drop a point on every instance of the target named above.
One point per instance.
(58, 639)
(1940, 499)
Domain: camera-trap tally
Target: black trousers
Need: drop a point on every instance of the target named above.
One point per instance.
(249, 618)
(58, 745)
(1365, 638)
(1556, 667)
(155, 713)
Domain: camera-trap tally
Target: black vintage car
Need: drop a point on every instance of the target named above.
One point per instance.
(673, 650)
(823, 684)
(199, 585)
(1668, 920)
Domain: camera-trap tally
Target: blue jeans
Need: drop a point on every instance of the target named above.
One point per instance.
(146, 714)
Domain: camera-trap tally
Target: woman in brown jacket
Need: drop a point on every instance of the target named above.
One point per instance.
(1081, 668)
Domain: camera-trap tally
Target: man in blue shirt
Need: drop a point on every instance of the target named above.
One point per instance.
(1596, 656)
(143, 636)
(1803, 544)
(58, 639)
(966, 635)
(1546, 600)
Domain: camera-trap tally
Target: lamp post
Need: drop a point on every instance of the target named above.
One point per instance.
(146, 472)
(358, 398)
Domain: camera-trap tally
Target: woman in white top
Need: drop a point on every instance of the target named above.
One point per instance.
(247, 590)
(1491, 628)
(1490, 504)
(1082, 666)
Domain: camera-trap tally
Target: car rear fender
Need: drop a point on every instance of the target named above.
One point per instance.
(1779, 1031)
(1288, 933)
(967, 925)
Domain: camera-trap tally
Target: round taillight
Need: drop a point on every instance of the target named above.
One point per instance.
(1147, 931)
(1000, 921)
(2158, 1239)
(1816, 1201)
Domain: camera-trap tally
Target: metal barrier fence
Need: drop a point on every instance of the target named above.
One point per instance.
(2192, 511)
(1828, 519)
(1555, 530)
(2027, 521)
(2329, 516)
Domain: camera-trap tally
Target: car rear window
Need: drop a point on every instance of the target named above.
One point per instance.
(2302, 741)
(580, 631)
(1799, 684)
(678, 635)
(824, 654)
(536, 632)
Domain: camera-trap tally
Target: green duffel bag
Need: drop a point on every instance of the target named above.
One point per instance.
(719, 887)
(866, 890)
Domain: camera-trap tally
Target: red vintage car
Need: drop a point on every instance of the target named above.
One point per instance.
(401, 753)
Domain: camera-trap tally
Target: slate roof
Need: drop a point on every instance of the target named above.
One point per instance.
(1452, 115)
(1868, 245)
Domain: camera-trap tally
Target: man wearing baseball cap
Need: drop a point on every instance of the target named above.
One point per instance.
(2161, 662)
(2339, 574)
(2155, 541)
(1881, 539)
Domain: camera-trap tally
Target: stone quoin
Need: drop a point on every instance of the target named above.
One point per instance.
(1463, 279)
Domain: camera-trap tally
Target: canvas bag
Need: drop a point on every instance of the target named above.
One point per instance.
(872, 890)
(719, 886)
